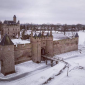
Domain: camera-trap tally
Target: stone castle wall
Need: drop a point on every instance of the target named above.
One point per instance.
(22, 52)
(7, 59)
(25, 52)
(65, 45)
(10, 30)
(47, 44)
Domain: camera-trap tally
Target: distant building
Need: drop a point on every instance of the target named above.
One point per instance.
(11, 28)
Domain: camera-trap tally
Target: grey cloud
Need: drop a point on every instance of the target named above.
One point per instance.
(44, 11)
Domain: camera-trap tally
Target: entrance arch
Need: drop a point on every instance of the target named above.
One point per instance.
(42, 51)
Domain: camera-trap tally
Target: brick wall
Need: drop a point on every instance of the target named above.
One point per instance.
(7, 59)
(66, 45)
(36, 49)
(22, 52)
(10, 30)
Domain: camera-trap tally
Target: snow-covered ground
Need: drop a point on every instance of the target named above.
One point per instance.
(29, 73)
(76, 72)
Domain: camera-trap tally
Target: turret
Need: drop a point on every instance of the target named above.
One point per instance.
(14, 18)
(7, 56)
(18, 22)
(36, 48)
(76, 35)
(31, 36)
(31, 33)
(50, 33)
(76, 43)
(42, 33)
(49, 44)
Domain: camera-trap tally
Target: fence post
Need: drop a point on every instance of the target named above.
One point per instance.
(46, 61)
(51, 63)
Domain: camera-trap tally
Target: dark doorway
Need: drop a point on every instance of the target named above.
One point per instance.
(42, 51)
(1, 65)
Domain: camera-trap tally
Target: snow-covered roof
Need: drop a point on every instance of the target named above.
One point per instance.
(20, 41)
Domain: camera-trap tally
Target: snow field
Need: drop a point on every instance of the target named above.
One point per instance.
(37, 74)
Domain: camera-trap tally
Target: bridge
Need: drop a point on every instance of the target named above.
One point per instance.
(46, 58)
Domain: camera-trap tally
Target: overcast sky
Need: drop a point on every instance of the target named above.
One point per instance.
(44, 11)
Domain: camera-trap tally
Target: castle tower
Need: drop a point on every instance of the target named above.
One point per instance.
(42, 33)
(49, 44)
(7, 56)
(76, 38)
(14, 18)
(51, 33)
(36, 48)
(18, 22)
(31, 36)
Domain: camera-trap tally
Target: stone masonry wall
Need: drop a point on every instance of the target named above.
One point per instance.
(49, 46)
(7, 59)
(22, 52)
(10, 30)
(65, 45)
(36, 49)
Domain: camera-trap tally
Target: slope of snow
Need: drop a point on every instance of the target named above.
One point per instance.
(35, 78)
(76, 73)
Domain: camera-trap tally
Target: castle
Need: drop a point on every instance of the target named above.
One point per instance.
(11, 28)
(39, 45)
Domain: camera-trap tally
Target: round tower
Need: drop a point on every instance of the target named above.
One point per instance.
(31, 36)
(49, 44)
(14, 18)
(36, 49)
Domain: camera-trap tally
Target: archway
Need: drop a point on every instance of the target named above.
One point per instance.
(43, 51)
